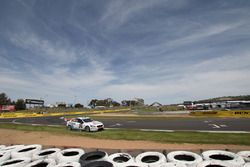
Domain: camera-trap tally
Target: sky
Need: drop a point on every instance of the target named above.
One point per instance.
(159, 50)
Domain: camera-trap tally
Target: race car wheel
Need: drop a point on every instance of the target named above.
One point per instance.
(87, 129)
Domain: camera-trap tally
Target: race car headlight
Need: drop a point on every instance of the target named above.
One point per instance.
(92, 126)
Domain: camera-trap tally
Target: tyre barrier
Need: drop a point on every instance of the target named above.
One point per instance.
(173, 164)
(118, 159)
(187, 158)
(245, 155)
(93, 156)
(11, 148)
(152, 159)
(226, 156)
(50, 153)
(68, 164)
(42, 163)
(16, 162)
(4, 156)
(99, 164)
(215, 163)
(69, 155)
(22, 156)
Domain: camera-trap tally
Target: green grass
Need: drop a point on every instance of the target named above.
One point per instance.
(125, 134)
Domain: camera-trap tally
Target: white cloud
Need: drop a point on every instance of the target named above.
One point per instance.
(226, 75)
(58, 52)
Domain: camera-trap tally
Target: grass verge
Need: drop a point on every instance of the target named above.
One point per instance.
(125, 134)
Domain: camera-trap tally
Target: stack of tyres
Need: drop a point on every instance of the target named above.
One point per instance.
(34, 156)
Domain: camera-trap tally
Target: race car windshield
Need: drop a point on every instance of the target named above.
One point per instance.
(88, 120)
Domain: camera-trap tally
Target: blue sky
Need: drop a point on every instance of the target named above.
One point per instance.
(160, 50)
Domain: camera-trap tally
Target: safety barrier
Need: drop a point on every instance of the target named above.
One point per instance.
(234, 113)
(76, 157)
(25, 115)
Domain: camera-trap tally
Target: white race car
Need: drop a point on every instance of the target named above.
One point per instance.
(84, 123)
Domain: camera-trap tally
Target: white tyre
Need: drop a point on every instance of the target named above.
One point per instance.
(99, 164)
(225, 156)
(68, 164)
(210, 163)
(42, 162)
(46, 154)
(245, 155)
(152, 159)
(11, 148)
(17, 162)
(187, 158)
(119, 159)
(69, 155)
(93, 156)
(4, 156)
(173, 164)
(26, 151)
(2, 146)
(247, 164)
(134, 164)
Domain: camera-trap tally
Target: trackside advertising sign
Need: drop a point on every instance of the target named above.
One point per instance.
(7, 108)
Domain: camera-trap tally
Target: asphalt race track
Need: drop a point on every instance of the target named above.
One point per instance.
(192, 124)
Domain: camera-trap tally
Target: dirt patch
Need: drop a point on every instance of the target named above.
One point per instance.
(23, 137)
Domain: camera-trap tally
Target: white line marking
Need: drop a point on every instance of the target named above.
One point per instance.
(155, 130)
(54, 125)
(36, 124)
(117, 124)
(223, 126)
(214, 125)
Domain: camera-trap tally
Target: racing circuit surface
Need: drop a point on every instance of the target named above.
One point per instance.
(178, 124)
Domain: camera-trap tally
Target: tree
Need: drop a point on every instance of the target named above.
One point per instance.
(78, 105)
(4, 100)
(20, 104)
(92, 103)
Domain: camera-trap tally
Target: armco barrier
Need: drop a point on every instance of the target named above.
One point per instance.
(234, 113)
(23, 115)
